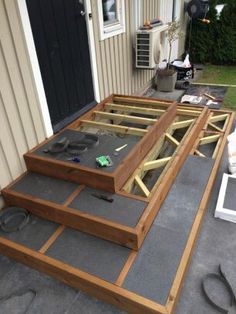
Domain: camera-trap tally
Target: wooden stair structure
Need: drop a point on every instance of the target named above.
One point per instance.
(157, 137)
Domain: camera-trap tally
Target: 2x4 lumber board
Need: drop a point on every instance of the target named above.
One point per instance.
(142, 101)
(52, 239)
(219, 117)
(114, 128)
(76, 219)
(133, 109)
(213, 84)
(215, 127)
(142, 186)
(101, 289)
(182, 124)
(158, 195)
(197, 152)
(71, 172)
(126, 268)
(132, 161)
(209, 139)
(188, 112)
(171, 139)
(73, 195)
(154, 164)
(123, 117)
(182, 269)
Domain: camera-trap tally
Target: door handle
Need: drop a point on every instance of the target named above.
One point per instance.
(82, 13)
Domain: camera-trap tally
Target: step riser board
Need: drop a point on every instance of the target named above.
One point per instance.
(94, 225)
(109, 181)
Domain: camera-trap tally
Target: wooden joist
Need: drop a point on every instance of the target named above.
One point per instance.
(171, 139)
(123, 117)
(142, 186)
(182, 124)
(133, 109)
(113, 127)
(154, 164)
(209, 139)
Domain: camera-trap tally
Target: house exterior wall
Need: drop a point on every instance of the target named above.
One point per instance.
(116, 55)
(21, 125)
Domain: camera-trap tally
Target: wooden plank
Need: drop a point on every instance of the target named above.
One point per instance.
(154, 164)
(171, 139)
(101, 289)
(219, 117)
(182, 124)
(133, 109)
(209, 139)
(52, 239)
(182, 268)
(74, 218)
(215, 127)
(187, 112)
(126, 268)
(213, 84)
(142, 101)
(122, 117)
(197, 152)
(114, 128)
(142, 186)
(73, 195)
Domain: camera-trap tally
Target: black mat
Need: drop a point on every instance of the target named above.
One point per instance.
(34, 234)
(122, 210)
(154, 269)
(46, 188)
(107, 146)
(90, 254)
(230, 194)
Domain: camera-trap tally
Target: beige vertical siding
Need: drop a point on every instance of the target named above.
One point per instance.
(21, 125)
(115, 55)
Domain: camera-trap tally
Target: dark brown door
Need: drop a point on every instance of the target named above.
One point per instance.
(60, 36)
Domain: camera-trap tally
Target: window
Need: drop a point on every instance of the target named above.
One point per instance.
(111, 18)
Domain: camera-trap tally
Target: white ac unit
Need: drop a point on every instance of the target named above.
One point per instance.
(150, 47)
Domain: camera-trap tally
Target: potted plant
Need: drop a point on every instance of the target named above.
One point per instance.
(166, 77)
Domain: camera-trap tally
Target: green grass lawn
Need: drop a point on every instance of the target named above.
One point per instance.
(222, 75)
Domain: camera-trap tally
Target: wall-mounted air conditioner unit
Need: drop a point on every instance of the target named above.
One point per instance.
(150, 47)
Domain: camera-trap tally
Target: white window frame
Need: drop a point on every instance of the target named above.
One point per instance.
(112, 29)
(222, 212)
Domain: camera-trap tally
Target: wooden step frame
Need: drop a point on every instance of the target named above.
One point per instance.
(113, 181)
(114, 293)
(115, 232)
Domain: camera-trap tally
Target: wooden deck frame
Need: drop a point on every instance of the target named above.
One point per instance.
(103, 228)
(113, 181)
(213, 133)
(152, 161)
(114, 293)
